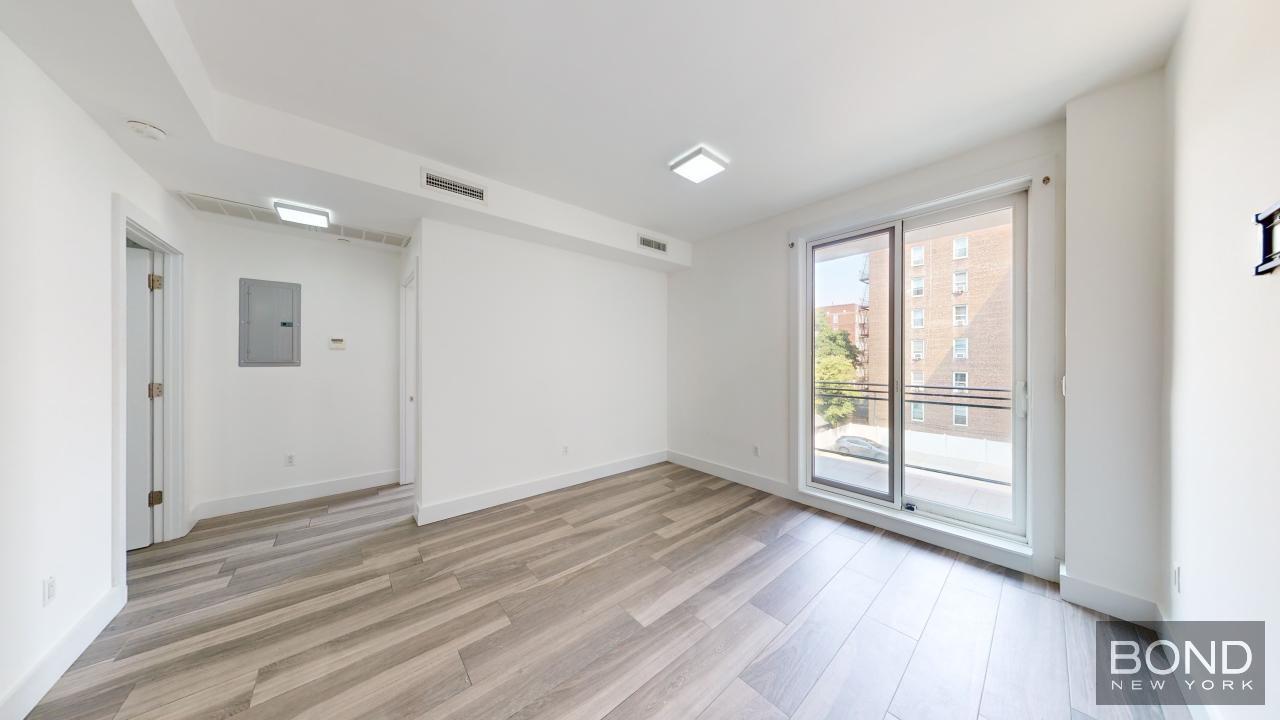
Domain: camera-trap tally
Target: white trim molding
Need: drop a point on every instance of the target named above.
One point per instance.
(295, 493)
(454, 507)
(1105, 600)
(41, 678)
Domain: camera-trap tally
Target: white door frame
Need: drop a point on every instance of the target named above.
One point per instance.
(410, 364)
(170, 517)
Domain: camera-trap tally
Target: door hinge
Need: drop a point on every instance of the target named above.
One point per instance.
(155, 390)
(155, 497)
(155, 282)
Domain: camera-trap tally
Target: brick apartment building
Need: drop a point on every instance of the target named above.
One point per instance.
(957, 327)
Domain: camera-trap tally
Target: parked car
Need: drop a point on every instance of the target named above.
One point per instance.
(861, 447)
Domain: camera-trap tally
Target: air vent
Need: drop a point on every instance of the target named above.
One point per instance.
(440, 182)
(245, 211)
(652, 244)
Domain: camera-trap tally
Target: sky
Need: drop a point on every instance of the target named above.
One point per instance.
(835, 282)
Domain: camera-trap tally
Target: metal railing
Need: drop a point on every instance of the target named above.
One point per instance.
(986, 397)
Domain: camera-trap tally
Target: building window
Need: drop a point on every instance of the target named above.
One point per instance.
(960, 315)
(917, 377)
(960, 415)
(917, 286)
(917, 412)
(960, 247)
(917, 317)
(960, 281)
(917, 255)
(917, 349)
(960, 379)
(959, 348)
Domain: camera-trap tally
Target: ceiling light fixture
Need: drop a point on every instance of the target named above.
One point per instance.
(698, 164)
(315, 217)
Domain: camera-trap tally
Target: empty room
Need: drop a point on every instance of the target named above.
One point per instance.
(580, 360)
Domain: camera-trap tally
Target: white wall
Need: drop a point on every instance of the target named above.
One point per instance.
(337, 412)
(527, 349)
(730, 341)
(1116, 239)
(58, 454)
(1224, 348)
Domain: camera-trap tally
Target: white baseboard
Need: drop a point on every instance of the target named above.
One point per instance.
(742, 477)
(1105, 600)
(33, 686)
(471, 503)
(296, 493)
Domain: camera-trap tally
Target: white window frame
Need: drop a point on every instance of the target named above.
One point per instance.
(917, 412)
(960, 315)
(958, 412)
(917, 377)
(917, 255)
(917, 318)
(917, 354)
(1037, 347)
(959, 282)
(917, 284)
(960, 247)
(960, 379)
(955, 348)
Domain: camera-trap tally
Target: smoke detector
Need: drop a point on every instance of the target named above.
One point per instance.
(146, 130)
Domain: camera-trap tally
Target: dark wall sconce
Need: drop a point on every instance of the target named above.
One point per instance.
(1268, 219)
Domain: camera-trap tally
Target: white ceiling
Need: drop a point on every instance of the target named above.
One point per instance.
(587, 101)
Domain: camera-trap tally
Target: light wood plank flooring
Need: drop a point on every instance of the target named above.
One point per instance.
(659, 593)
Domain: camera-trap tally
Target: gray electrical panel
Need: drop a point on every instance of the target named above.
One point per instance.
(270, 323)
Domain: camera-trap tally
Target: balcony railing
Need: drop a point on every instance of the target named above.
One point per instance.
(988, 398)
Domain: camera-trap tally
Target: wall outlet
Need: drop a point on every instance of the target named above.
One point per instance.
(564, 450)
(755, 451)
(49, 590)
(290, 460)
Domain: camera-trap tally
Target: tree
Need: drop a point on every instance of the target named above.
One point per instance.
(834, 361)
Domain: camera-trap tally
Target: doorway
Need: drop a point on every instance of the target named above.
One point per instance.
(144, 405)
(409, 368)
(918, 364)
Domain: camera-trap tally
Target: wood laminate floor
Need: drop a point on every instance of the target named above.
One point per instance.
(659, 593)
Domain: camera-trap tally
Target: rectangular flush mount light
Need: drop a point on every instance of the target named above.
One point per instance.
(314, 217)
(698, 165)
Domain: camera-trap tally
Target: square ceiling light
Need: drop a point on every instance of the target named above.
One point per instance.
(698, 165)
(315, 217)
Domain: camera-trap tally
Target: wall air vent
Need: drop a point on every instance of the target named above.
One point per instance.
(449, 185)
(652, 244)
(245, 211)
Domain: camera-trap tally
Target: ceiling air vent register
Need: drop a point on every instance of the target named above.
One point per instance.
(652, 244)
(222, 206)
(449, 185)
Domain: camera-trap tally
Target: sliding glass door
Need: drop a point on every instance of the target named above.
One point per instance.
(853, 408)
(919, 364)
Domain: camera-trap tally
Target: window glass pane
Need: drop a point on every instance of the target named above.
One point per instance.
(852, 346)
(961, 453)
(917, 318)
(917, 255)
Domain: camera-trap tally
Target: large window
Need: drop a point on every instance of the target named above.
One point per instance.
(873, 435)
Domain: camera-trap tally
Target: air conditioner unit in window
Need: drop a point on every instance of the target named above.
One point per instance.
(917, 356)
